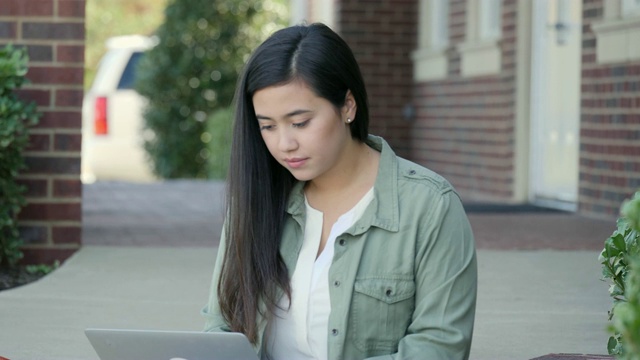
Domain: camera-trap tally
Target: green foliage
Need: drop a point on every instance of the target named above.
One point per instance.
(621, 264)
(631, 211)
(16, 117)
(626, 322)
(42, 269)
(192, 73)
(218, 138)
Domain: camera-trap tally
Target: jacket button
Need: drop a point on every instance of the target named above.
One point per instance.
(388, 292)
(336, 283)
(334, 332)
(412, 172)
(341, 242)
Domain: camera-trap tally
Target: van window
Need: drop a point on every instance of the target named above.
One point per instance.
(128, 79)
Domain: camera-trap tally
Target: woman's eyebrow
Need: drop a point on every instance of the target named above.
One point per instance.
(291, 114)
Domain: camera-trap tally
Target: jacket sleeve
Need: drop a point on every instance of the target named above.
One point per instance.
(211, 312)
(441, 326)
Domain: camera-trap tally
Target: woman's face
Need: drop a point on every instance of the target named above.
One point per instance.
(305, 133)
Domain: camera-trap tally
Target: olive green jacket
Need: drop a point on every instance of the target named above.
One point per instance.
(403, 277)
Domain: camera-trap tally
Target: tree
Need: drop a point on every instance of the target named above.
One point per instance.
(192, 73)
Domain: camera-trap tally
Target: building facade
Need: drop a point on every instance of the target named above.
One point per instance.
(513, 101)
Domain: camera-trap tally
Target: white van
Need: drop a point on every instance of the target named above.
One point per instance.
(112, 121)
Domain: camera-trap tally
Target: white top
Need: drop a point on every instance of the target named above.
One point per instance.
(300, 333)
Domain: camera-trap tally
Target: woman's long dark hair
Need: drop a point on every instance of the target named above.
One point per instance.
(258, 186)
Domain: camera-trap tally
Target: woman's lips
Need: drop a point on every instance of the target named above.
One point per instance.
(295, 163)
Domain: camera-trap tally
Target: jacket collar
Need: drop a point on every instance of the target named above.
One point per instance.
(383, 210)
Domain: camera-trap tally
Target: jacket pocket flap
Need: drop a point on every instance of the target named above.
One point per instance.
(387, 290)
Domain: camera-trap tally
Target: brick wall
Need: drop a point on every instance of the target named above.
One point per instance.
(382, 35)
(464, 127)
(610, 126)
(53, 32)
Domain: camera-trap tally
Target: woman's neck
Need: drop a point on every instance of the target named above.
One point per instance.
(356, 171)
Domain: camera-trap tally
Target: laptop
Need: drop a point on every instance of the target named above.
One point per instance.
(117, 344)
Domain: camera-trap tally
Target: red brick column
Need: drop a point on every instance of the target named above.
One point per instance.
(382, 35)
(610, 126)
(53, 32)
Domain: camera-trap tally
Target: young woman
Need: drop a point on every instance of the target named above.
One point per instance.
(334, 247)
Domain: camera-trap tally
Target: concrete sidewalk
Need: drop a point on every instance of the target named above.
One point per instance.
(149, 252)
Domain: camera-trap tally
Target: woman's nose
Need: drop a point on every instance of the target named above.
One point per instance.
(287, 141)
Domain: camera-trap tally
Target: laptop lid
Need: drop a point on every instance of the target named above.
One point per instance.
(116, 344)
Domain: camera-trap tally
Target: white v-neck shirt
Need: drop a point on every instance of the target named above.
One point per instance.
(301, 332)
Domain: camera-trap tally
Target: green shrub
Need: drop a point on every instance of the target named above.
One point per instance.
(16, 117)
(626, 322)
(42, 269)
(192, 73)
(621, 264)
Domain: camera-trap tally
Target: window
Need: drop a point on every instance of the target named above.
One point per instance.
(490, 19)
(438, 21)
(480, 53)
(618, 33)
(429, 60)
(128, 79)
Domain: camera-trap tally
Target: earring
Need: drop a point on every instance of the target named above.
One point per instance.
(349, 120)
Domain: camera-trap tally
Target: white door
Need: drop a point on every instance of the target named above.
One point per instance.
(555, 102)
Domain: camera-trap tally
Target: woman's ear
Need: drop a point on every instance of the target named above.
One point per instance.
(350, 106)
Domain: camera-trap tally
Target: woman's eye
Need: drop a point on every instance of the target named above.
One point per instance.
(300, 124)
(266, 127)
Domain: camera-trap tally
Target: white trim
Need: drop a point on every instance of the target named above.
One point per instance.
(467, 47)
(537, 102)
(480, 58)
(326, 12)
(299, 11)
(569, 206)
(617, 35)
(522, 125)
(630, 8)
(620, 24)
(429, 65)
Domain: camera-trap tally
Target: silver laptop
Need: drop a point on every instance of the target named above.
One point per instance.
(115, 344)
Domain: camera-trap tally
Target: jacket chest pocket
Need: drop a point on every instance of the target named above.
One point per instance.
(381, 312)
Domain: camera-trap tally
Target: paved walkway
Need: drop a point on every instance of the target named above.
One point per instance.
(174, 214)
(149, 252)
